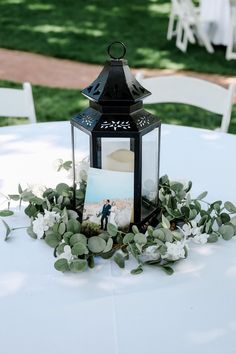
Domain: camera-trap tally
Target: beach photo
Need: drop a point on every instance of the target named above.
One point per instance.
(109, 198)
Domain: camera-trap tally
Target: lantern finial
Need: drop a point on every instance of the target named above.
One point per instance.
(116, 57)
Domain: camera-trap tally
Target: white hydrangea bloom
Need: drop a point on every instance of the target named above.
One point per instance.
(201, 239)
(174, 251)
(190, 230)
(66, 254)
(43, 222)
(39, 225)
(51, 217)
(151, 253)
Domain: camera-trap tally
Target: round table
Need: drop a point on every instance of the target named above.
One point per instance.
(107, 310)
(215, 15)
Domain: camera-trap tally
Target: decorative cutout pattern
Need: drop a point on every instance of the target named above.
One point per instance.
(87, 120)
(142, 121)
(137, 89)
(94, 89)
(116, 125)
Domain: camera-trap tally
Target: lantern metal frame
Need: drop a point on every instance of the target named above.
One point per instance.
(116, 111)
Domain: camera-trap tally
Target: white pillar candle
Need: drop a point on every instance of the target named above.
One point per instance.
(120, 160)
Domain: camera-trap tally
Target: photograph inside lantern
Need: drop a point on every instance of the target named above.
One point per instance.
(109, 198)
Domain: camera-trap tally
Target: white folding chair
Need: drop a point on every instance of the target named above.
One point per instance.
(192, 91)
(231, 48)
(185, 24)
(17, 103)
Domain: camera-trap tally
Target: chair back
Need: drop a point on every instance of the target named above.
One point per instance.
(17, 103)
(192, 91)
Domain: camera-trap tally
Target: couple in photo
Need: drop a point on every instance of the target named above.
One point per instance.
(108, 214)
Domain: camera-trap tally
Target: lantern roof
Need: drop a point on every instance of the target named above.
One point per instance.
(116, 83)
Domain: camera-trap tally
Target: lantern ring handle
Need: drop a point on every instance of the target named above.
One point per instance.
(109, 50)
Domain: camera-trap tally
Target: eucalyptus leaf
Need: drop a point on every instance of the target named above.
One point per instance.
(188, 188)
(230, 207)
(227, 232)
(212, 238)
(67, 235)
(52, 239)
(168, 235)
(140, 239)
(159, 233)
(31, 210)
(119, 259)
(78, 238)
(96, 244)
(128, 238)
(165, 222)
(79, 249)
(20, 190)
(72, 214)
(62, 228)
(27, 196)
(31, 233)
(62, 189)
(91, 263)
(78, 265)
(108, 245)
(135, 229)
(4, 213)
(15, 197)
(61, 265)
(202, 196)
(74, 226)
(167, 269)
(8, 230)
(224, 218)
(112, 229)
(137, 270)
(105, 236)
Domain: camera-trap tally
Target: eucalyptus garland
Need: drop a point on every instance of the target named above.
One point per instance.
(181, 220)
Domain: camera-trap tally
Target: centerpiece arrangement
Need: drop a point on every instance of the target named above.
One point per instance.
(121, 136)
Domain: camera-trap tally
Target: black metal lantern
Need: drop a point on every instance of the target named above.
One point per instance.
(120, 134)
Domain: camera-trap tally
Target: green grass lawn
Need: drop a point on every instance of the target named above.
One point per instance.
(81, 30)
(54, 104)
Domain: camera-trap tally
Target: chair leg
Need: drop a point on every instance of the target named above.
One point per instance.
(203, 38)
(230, 54)
(171, 31)
(182, 38)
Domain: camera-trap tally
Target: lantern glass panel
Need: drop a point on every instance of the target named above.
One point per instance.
(81, 145)
(150, 173)
(117, 155)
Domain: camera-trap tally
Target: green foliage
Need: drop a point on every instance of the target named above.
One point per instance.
(61, 265)
(4, 213)
(96, 244)
(61, 104)
(57, 28)
(180, 218)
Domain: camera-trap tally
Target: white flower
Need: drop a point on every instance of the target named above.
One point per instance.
(174, 251)
(51, 217)
(39, 225)
(201, 239)
(66, 254)
(43, 222)
(190, 230)
(151, 253)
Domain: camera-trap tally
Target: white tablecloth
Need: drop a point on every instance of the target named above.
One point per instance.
(215, 15)
(106, 310)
